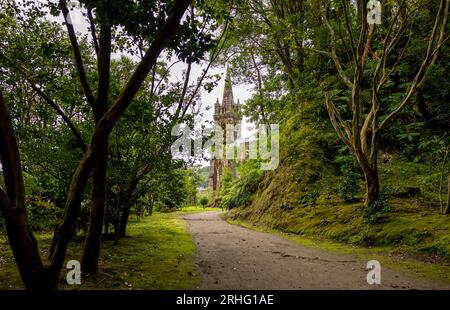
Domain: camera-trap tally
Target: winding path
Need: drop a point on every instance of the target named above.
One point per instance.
(233, 257)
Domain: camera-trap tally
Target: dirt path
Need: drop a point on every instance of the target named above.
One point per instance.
(233, 257)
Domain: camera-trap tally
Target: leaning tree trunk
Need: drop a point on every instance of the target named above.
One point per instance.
(122, 231)
(34, 274)
(150, 203)
(127, 204)
(91, 252)
(447, 207)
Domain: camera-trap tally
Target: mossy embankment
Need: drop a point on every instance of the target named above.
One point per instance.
(410, 234)
(409, 225)
(158, 253)
(316, 193)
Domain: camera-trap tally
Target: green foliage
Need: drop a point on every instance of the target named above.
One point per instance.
(204, 201)
(43, 215)
(310, 198)
(350, 183)
(192, 183)
(377, 210)
(239, 192)
(203, 177)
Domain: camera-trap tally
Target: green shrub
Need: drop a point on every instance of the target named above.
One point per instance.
(240, 191)
(204, 201)
(43, 215)
(350, 184)
(310, 198)
(377, 210)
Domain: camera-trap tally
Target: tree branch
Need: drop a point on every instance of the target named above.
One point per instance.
(92, 28)
(10, 159)
(61, 113)
(421, 74)
(103, 68)
(333, 53)
(338, 122)
(214, 54)
(183, 92)
(76, 51)
(349, 29)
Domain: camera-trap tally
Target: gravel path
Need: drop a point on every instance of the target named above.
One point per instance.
(233, 257)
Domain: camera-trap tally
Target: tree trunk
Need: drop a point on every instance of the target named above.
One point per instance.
(124, 221)
(447, 207)
(372, 186)
(150, 203)
(91, 252)
(127, 203)
(150, 209)
(34, 274)
(116, 233)
(106, 229)
(26, 253)
(421, 105)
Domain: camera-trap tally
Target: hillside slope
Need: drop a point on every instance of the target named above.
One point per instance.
(317, 191)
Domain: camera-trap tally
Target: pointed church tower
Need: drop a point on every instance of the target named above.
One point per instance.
(227, 113)
(228, 101)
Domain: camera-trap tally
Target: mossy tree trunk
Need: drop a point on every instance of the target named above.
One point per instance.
(362, 132)
(372, 187)
(447, 207)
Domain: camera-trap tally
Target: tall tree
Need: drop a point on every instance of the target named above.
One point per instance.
(362, 135)
(34, 273)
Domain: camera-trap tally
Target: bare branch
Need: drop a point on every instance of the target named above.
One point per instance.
(61, 113)
(338, 122)
(349, 29)
(214, 54)
(333, 53)
(103, 68)
(92, 28)
(421, 74)
(442, 38)
(76, 50)
(183, 92)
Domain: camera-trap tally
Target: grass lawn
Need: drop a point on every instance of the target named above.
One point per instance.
(158, 253)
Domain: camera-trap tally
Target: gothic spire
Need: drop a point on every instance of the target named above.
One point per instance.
(228, 101)
(217, 107)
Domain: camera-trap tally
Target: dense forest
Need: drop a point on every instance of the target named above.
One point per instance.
(360, 93)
